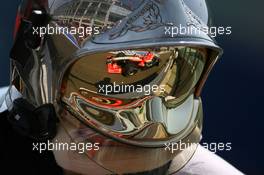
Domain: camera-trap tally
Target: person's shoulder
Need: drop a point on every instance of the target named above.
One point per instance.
(205, 162)
(3, 91)
(4, 124)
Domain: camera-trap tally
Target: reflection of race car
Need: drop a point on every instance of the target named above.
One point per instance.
(129, 63)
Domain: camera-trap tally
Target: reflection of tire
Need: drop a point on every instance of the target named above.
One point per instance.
(129, 69)
(154, 62)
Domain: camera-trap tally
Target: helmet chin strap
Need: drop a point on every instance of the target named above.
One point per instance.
(37, 123)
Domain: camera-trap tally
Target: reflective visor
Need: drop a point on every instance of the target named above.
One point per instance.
(117, 79)
(142, 97)
(134, 103)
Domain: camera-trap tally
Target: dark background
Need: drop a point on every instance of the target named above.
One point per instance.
(234, 93)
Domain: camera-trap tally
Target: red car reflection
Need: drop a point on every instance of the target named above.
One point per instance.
(129, 63)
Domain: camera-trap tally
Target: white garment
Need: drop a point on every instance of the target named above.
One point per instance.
(2, 99)
(203, 162)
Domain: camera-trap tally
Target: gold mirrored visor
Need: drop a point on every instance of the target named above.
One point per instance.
(132, 74)
(142, 97)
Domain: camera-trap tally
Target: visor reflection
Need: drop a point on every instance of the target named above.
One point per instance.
(131, 74)
(133, 94)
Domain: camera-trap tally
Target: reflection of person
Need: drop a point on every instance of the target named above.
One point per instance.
(54, 124)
